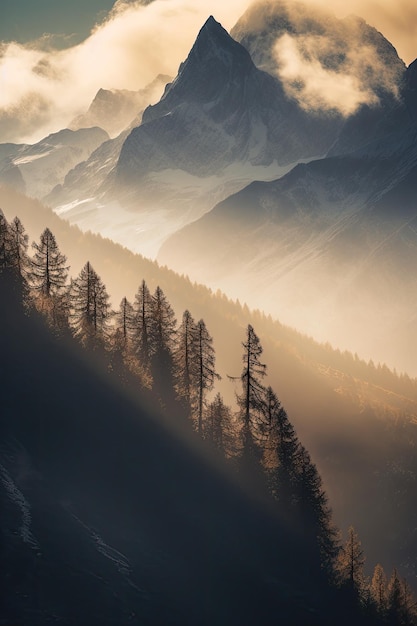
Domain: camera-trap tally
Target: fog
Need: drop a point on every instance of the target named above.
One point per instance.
(352, 418)
(43, 88)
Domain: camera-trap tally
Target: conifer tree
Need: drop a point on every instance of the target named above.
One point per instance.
(19, 259)
(314, 512)
(124, 324)
(251, 399)
(185, 362)
(18, 248)
(282, 450)
(47, 277)
(90, 309)
(400, 603)
(378, 590)
(205, 368)
(5, 243)
(395, 600)
(143, 326)
(14, 260)
(162, 342)
(121, 338)
(410, 605)
(218, 427)
(350, 564)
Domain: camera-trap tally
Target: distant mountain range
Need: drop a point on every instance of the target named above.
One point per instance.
(114, 110)
(37, 169)
(334, 237)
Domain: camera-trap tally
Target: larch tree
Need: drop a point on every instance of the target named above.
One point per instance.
(251, 399)
(282, 450)
(218, 426)
(124, 325)
(162, 343)
(121, 337)
(314, 513)
(205, 368)
(378, 590)
(4, 243)
(48, 279)
(401, 607)
(90, 309)
(14, 260)
(19, 242)
(350, 564)
(142, 326)
(185, 362)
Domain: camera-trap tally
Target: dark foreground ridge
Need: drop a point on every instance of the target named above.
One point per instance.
(109, 516)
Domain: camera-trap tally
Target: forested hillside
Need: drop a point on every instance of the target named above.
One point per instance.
(356, 419)
(114, 510)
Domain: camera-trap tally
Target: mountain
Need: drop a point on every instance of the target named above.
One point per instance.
(221, 109)
(341, 407)
(36, 169)
(112, 515)
(220, 124)
(335, 237)
(116, 109)
(332, 42)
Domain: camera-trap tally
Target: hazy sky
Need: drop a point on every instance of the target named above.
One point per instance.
(24, 20)
(42, 86)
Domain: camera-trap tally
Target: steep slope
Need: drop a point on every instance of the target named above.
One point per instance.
(327, 63)
(110, 515)
(221, 109)
(335, 237)
(321, 37)
(116, 109)
(220, 124)
(357, 419)
(38, 168)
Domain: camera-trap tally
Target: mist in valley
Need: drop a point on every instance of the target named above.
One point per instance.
(230, 173)
(336, 401)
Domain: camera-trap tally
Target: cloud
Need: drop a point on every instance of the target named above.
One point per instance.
(396, 19)
(319, 79)
(44, 88)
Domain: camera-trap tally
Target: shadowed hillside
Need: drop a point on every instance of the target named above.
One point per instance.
(111, 515)
(357, 419)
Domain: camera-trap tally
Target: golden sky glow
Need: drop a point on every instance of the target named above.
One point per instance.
(45, 88)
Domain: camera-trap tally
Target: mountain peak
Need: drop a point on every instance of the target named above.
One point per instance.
(214, 41)
(204, 76)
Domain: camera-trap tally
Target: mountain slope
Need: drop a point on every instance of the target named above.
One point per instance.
(221, 109)
(38, 168)
(220, 124)
(334, 236)
(116, 109)
(342, 408)
(111, 515)
(321, 37)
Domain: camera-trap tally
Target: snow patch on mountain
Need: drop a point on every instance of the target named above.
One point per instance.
(42, 166)
(169, 201)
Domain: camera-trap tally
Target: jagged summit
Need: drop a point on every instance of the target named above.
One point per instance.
(206, 74)
(214, 40)
(221, 109)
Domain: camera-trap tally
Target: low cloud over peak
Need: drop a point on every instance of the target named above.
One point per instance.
(43, 88)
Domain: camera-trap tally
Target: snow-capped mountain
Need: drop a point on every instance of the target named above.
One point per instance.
(219, 125)
(321, 37)
(334, 237)
(117, 109)
(220, 110)
(36, 169)
(223, 123)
